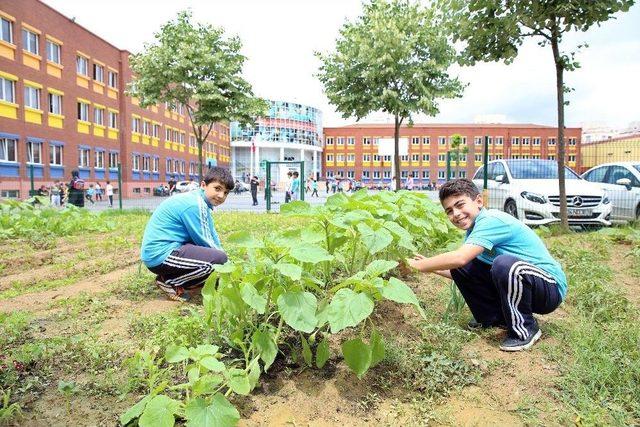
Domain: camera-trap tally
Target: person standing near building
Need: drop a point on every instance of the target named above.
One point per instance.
(98, 191)
(55, 194)
(76, 189)
(409, 183)
(314, 187)
(295, 186)
(90, 193)
(287, 194)
(109, 192)
(254, 189)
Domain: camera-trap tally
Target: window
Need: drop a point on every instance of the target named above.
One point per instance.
(135, 124)
(146, 163)
(462, 174)
(533, 156)
(8, 150)
(329, 174)
(441, 174)
(167, 134)
(376, 157)
(340, 141)
(55, 154)
(351, 141)
(426, 140)
(114, 159)
(351, 174)
(84, 156)
(366, 158)
(572, 141)
(30, 41)
(572, 158)
(535, 141)
(156, 164)
(500, 140)
(442, 157)
(415, 140)
(55, 103)
(597, 175)
(351, 157)
(53, 52)
(376, 174)
(500, 156)
(404, 158)
(136, 162)
(477, 140)
(415, 157)
(113, 119)
(99, 160)
(366, 174)
(376, 141)
(146, 128)
(340, 158)
(386, 174)
(169, 166)
(442, 140)
(6, 33)
(387, 158)
(515, 141)
(551, 156)
(32, 97)
(98, 73)
(551, 141)
(176, 166)
(404, 174)
(366, 141)
(425, 158)
(83, 111)
(329, 141)
(113, 79)
(82, 65)
(156, 132)
(7, 90)
(478, 158)
(10, 194)
(425, 174)
(525, 141)
(98, 116)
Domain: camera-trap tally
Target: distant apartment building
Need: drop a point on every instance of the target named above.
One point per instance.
(63, 107)
(352, 151)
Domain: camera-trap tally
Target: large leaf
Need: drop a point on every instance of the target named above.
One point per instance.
(298, 309)
(175, 353)
(310, 253)
(159, 412)
(135, 411)
(218, 413)
(322, 353)
(398, 291)
(307, 355)
(348, 309)
(266, 346)
(206, 384)
(238, 381)
(357, 355)
(374, 240)
(291, 271)
(253, 299)
(377, 348)
(405, 239)
(212, 364)
(379, 267)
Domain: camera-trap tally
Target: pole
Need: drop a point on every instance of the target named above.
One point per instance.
(32, 192)
(120, 185)
(267, 186)
(485, 188)
(302, 183)
(448, 165)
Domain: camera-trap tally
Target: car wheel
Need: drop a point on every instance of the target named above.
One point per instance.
(511, 208)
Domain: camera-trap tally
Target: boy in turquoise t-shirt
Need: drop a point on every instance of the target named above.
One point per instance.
(180, 243)
(503, 269)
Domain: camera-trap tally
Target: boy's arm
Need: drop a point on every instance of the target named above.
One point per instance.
(446, 261)
(196, 222)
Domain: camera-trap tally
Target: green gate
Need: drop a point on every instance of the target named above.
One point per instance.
(267, 186)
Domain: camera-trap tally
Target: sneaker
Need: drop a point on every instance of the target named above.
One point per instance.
(174, 294)
(475, 325)
(516, 344)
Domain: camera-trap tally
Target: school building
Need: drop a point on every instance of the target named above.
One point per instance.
(63, 107)
(617, 149)
(352, 151)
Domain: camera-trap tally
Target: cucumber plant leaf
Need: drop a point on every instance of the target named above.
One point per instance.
(310, 253)
(135, 411)
(348, 309)
(291, 271)
(298, 309)
(218, 412)
(398, 291)
(322, 353)
(175, 353)
(377, 348)
(253, 299)
(265, 344)
(357, 355)
(159, 412)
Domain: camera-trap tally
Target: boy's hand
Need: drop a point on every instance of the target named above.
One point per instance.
(416, 261)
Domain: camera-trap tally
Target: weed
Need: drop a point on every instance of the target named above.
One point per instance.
(161, 330)
(68, 389)
(9, 412)
(136, 286)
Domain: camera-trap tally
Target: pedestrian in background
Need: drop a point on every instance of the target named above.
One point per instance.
(254, 189)
(109, 190)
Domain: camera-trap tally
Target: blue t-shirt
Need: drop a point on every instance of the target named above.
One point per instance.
(500, 233)
(295, 185)
(181, 219)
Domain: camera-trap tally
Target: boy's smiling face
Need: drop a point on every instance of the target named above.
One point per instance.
(462, 210)
(215, 192)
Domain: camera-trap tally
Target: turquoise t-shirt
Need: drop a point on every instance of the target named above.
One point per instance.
(501, 234)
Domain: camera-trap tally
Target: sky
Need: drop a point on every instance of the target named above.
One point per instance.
(280, 36)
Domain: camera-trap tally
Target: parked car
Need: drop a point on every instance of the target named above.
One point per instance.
(186, 186)
(241, 187)
(161, 191)
(621, 183)
(528, 189)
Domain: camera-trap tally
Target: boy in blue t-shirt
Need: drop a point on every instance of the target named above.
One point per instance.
(503, 270)
(180, 243)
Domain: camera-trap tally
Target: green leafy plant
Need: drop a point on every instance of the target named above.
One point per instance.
(68, 389)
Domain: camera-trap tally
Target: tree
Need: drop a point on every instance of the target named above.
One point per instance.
(493, 30)
(394, 58)
(196, 66)
(457, 151)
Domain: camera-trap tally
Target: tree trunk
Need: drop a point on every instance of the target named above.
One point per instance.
(396, 147)
(560, 143)
(200, 176)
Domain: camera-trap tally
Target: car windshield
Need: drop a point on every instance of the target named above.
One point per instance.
(537, 169)
(637, 167)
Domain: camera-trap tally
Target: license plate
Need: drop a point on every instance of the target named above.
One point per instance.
(579, 212)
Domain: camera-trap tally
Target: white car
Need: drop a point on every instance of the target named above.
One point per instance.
(621, 183)
(186, 186)
(528, 189)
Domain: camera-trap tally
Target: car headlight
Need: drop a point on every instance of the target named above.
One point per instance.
(605, 200)
(534, 197)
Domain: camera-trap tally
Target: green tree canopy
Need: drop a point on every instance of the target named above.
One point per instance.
(394, 58)
(200, 68)
(494, 30)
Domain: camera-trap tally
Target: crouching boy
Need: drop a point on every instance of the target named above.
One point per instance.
(503, 269)
(180, 243)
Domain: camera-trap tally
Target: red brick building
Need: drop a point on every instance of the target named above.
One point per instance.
(352, 151)
(62, 107)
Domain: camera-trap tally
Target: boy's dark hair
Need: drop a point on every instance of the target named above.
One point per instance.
(295, 173)
(221, 175)
(458, 187)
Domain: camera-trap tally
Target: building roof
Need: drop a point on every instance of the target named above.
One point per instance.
(614, 139)
(445, 125)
